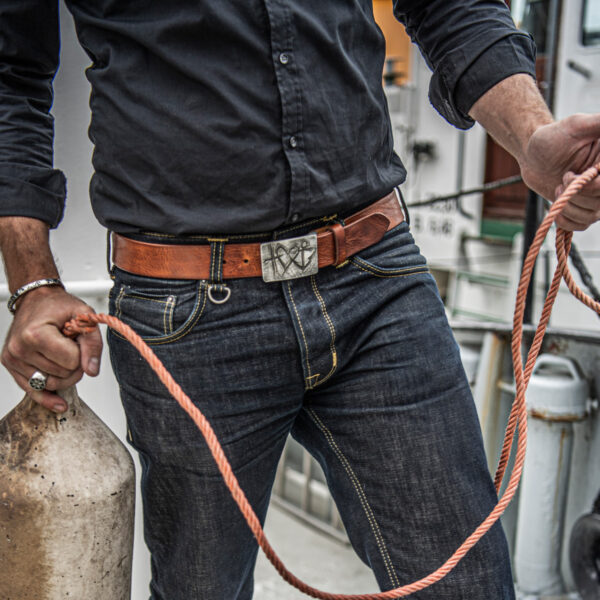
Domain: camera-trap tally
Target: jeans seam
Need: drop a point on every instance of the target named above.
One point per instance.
(260, 234)
(198, 311)
(118, 310)
(206, 238)
(377, 272)
(361, 495)
(332, 349)
(220, 262)
(301, 331)
(146, 298)
(212, 263)
(194, 319)
(307, 223)
(168, 315)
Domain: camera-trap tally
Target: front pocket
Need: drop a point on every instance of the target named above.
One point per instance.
(395, 255)
(159, 318)
(367, 267)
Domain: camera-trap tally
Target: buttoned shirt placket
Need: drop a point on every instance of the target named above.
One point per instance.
(286, 71)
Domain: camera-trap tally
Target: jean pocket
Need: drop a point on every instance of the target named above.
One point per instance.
(159, 313)
(396, 255)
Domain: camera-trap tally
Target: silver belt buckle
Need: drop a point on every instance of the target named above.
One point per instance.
(289, 259)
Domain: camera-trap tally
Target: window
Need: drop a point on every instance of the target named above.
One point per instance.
(532, 16)
(590, 28)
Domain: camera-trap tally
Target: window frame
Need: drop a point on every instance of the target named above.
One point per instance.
(588, 39)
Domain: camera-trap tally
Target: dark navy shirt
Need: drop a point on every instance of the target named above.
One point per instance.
(233, 116)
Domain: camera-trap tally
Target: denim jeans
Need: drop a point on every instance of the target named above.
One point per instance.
(359, 364)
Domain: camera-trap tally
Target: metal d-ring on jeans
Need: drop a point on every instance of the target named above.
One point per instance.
(358, 363)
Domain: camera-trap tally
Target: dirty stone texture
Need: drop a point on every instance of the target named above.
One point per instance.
(66, 505)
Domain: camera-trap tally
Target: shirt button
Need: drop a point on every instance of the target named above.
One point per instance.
(284, 58)
(293, 141)
(295, 217)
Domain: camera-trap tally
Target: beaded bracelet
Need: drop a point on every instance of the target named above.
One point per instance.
(28, 287)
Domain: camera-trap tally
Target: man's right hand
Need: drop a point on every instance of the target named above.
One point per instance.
(35, 343)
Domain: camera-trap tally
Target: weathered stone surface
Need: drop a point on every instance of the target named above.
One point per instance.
(67, 495)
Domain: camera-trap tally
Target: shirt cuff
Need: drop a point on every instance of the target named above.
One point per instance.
(465, 75)
(34, 192)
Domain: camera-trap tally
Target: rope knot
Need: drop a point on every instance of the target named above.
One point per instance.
(84, 323)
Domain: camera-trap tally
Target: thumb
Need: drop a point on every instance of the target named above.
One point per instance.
(90, 346)
(585, 126)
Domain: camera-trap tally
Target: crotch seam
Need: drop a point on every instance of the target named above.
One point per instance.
(387, 561)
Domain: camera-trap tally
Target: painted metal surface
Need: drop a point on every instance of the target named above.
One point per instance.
(556, 389)
(67, 501)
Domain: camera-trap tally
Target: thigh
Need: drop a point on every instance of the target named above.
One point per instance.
(398, 436)
(235, 363)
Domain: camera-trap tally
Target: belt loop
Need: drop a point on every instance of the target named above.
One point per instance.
(215, 278)
(339, 242)
(109, 263)
(402, 203)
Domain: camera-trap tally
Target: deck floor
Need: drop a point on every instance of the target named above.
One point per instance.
(316, 558)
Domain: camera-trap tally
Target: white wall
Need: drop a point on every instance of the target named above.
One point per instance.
(80, 249)
(438, 228)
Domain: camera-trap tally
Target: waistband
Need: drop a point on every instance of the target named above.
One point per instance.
(276, 260)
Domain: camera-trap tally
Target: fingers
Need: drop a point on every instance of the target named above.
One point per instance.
(50, 401)
(41, 364)
(34, 347)
(90, 346)
(569, 225)
(583, 209)
(35, 343)
(47, 399)
(579, 216)
(50, 342)
(53, 383)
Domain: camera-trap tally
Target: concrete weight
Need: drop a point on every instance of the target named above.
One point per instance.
(67, 496)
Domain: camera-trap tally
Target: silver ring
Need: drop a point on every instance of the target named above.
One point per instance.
(38, 381)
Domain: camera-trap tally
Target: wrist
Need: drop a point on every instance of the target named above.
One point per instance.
(529, 129)
(33, 291)
(26, 251)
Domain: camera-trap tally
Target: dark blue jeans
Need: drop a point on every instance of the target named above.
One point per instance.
(359, 364)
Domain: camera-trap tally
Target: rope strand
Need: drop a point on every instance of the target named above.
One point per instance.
(518, 415)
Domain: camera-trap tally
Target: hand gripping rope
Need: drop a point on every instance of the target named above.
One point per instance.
(518, 415)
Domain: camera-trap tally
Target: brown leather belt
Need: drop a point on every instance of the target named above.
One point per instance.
(334, 243)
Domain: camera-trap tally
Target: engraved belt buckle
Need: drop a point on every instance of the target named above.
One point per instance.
(289, 259)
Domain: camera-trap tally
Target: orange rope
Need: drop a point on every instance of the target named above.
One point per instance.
(518, 415)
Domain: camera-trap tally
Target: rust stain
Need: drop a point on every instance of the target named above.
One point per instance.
(545, 416)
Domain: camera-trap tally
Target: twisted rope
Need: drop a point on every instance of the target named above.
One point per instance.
(518, 416)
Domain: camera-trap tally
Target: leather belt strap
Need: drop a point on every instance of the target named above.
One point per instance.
(184, 261)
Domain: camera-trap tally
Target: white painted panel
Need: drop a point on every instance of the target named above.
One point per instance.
(79, 246)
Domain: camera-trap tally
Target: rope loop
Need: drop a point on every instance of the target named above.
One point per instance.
(86, 323)
(81, 324)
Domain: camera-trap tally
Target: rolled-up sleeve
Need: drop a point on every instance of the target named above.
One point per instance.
(470, 45)
(29, 50)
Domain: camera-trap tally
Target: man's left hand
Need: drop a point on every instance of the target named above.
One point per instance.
(554, 155)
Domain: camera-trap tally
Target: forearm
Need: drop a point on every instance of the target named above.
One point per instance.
(549, 152)
(511, 111)
(25, 247)
(34, 341)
